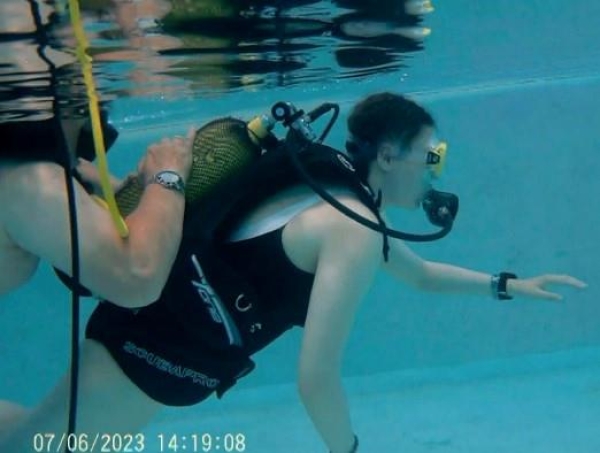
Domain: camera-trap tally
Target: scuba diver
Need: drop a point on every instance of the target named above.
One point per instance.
(131, 271)
(296, 238)
(45, 129)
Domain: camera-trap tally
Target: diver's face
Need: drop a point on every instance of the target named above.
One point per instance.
(410, 176)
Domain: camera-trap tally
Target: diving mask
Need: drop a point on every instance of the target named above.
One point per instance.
(436, 158)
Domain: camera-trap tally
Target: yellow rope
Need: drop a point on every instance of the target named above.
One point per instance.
(86, 68)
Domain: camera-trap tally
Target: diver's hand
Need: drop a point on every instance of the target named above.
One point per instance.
(173, 154)
(90, 174)
(536, 287)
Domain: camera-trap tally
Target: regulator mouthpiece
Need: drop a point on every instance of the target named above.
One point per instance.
(441, 207)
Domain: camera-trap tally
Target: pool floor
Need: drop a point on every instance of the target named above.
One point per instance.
(537, 404)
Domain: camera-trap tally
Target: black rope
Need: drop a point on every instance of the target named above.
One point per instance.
(43, 41)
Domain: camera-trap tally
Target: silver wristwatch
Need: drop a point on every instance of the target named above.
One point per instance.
(169, 180)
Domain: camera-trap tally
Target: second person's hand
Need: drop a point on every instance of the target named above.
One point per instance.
(173, 154)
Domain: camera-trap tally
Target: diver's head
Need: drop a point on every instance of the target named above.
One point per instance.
(393, 145)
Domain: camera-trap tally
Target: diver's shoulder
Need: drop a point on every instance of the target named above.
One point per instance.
(331, 225)
(351, 202)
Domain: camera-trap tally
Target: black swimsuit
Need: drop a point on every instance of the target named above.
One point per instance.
(176, 357)
(31, 141)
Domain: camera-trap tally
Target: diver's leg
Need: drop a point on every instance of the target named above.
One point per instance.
(11, 415)
(108, 402)
(17, 265)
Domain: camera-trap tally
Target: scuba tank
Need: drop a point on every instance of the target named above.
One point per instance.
(221, 150)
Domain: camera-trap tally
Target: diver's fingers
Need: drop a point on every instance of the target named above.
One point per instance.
(87, 169)
(541, 294)
(564, 280)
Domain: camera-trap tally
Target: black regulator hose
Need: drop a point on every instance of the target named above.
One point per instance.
(441, 207)
(443, 214)
(43, 41)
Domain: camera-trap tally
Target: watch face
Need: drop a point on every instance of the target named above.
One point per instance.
(170, 180)
(168, 177)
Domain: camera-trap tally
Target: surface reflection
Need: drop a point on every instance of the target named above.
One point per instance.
(178, 47)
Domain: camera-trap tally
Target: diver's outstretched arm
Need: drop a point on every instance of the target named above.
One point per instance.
(447, 278)
(407, 266)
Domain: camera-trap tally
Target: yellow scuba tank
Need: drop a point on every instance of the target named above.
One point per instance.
(222, 149)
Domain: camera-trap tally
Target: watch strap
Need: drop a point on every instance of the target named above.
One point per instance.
(498, 285)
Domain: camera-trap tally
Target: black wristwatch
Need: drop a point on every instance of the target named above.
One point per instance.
(499, 285)
(170, 180)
